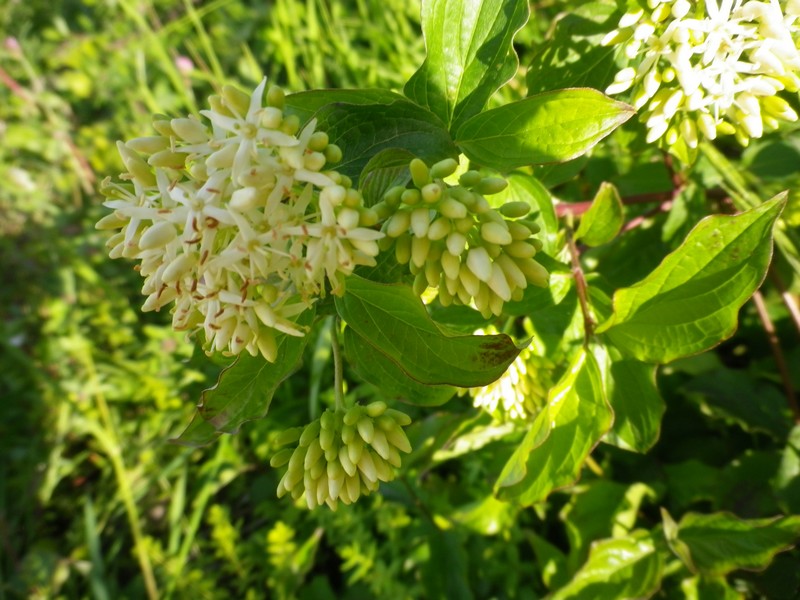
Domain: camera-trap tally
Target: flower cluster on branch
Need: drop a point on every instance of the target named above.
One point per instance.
(700, 69)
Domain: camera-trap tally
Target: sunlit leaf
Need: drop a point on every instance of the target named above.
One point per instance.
(550, 457)
(469, 55)
(716, 544)
(691, 301)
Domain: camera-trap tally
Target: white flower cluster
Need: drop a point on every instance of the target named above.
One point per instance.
(520, 393)
(710, 67)
(237, 223)
(342, 455)
(454, 241)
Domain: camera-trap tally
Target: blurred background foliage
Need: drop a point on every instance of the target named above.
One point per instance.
(93, 500)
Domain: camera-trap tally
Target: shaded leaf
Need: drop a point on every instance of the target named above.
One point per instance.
(469, 55)
(244, 390)
(306, 104)
(756, 406)
(386, 169)
(394, 321)
(550, 127)
(363, 130)
(719, 543)
(637, 404)
(381, 371)
(573, 55)
(446, 570)
(787, 482)
(691, 301)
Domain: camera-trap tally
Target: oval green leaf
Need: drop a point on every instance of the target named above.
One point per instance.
(469, 55)
(394, 320)
(375, 367)
(561, 437)
(690, 302)
(549, 127)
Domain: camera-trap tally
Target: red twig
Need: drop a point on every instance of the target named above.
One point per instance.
(777, 352)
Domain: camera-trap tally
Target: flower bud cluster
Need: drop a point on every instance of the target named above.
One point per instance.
(342, 455)
(453, 240)
(236, 222)
(521, 392)
(699, 69)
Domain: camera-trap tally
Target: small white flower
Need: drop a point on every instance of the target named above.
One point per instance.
(234, 224)
(709, 67)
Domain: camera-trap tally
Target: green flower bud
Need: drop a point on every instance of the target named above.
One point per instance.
(136, 165)
(515, 210)
(235, 99)
(168, 159)
(402, 249)
(398, 223)
(520, 249)
(479, 263)
(333, 154)
(452, 209)
(470, 179)
(148, 145)
(419, 173)
(496, 233)
(377, 408)
(411, 197)
(419, 250)
(275, 97)
(189, 130)
(491, 185)
(444, 168)
(431, 193)
(281, 457)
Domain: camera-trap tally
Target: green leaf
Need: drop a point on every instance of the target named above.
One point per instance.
(690, 302)
(244, 390)
(486, 517)
(617, 569)
(561, 437)
(708, 588)
(603, 221)
(386, 169)
(551, 561)
(787, 481)
(393, 320)
(636, 402)
(446, 572)
(601, 509)
(469, 55)
(756, 406)
(363, 130)
(305, 104)
(719, 543)
(550, 127)
(573, 55)
(382, 372)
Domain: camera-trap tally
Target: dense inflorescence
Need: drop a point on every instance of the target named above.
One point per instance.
(699, 69)
(454, 241)
(342, 455)
(236, 222)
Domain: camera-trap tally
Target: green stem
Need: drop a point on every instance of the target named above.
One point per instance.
(338, 383)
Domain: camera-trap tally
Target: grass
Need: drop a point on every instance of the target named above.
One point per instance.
(93, 501)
